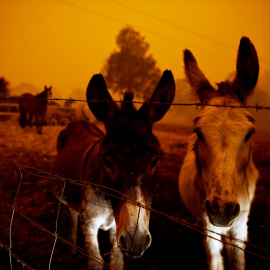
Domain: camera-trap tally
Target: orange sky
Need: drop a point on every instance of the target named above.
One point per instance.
(63, 43)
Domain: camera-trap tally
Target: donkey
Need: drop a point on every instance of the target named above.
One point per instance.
(124, 160)
(34, 106)
(218, 178)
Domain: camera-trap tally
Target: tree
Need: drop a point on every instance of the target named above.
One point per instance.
(4, 92)
(130, 68)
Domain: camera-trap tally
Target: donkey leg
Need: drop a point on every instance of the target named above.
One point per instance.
(73, 229)
(91, 223)
(95, 261)
(41, 123)
(117, 257)
(29, 122)
(22, 119)
(38, 123)
(213, 251)
(237, 255)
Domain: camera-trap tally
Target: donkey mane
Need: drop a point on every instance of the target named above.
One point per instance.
(134, 136)
(224, 89)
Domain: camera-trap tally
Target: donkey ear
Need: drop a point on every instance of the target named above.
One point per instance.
(247, 70)
(200, 85)
(162, 97)
(99, 99)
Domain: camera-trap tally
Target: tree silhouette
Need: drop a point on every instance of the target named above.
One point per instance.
(4, 92)
(130, 68)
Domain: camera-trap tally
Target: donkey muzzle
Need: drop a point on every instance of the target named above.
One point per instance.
(134, 244)
(222, 213)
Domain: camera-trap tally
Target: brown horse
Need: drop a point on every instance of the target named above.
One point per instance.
(218, 177)
(124, 159)
(34, 106)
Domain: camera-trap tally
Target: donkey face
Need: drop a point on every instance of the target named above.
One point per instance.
(223, 134)
(129, 154)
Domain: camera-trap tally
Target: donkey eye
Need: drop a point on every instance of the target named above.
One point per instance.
(108, 164)
(199, 134)
(249, 134)
(154, 163)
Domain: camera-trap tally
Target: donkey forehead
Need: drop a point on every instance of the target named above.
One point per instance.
(231, 118)
(130, 136)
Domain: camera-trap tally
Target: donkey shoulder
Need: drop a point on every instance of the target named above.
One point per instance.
(73, 144)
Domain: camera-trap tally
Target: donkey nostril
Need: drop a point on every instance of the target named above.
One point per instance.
(148, 241)
(208, 207)
(236, 210)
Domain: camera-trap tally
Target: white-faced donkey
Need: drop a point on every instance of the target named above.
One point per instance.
(218, 178)
(124, 159)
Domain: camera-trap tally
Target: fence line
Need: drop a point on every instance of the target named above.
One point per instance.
(197, 104)
(99, 188)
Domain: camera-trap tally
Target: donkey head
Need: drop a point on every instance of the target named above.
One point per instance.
(48, 92)
(222, 146)
(129, 154)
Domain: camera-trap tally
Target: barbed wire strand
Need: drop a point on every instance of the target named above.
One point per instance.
(194, 227)
(100, 260)
(56, 222)
(125, 198)
(197, 104)
(129, 200)
(200, 35)
(160, 35)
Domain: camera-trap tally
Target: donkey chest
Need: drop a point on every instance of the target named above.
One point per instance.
(97, 210)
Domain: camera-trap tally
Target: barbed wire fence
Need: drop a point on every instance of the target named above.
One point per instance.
(257, 107)
(109, 192)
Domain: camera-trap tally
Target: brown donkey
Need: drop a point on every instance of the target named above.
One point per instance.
(124, 159)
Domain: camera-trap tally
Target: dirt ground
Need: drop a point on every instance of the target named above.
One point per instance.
(174, 246)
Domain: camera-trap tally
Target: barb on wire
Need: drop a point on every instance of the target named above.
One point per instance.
(196, 104)
(14, 255)
(82, 251)
(123, 197)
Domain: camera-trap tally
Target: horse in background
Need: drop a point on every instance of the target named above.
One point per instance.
(124, 159)
(218, 178)
(34, 106)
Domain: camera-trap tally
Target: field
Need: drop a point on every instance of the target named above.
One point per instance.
(174, 246)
